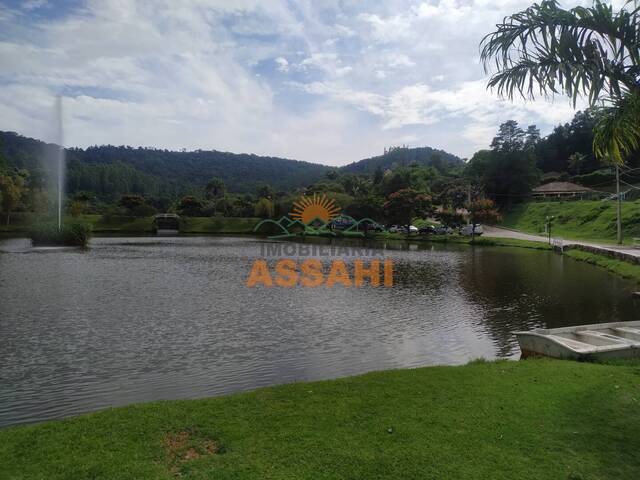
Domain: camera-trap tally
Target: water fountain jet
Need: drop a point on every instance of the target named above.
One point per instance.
(59, 158)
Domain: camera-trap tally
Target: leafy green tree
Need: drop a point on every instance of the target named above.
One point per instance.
(224, 206)
(417, 177)
(378, 175)
(369, 205)
(144, 210)
(130, 202)
(482, 210)
(576, 161)
(355, 185)
(532, 137)
(243, 206)
(507, 172)
(3, 162)
(12, 188)
(265, 191)
(451, 192)
(215, 188)
(406, 204)
(510, 137)
(450, 218)
(190, 206)
(76, 208)
(263, 208)
(584, 51)
(332, 174)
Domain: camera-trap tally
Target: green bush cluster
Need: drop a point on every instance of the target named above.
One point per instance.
(72, 234)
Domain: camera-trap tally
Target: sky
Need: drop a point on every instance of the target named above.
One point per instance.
(326, 81)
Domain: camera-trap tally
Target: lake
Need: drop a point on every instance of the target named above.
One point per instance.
(140, 319)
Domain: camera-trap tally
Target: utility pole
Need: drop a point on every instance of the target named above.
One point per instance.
(468, 198)
(619, 206)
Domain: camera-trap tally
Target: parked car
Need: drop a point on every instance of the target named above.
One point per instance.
(403, 229)
(443, 230)
(341, 224)
(466, 230)
(427, 230)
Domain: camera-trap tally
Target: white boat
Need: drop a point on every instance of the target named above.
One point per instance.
(603, 341)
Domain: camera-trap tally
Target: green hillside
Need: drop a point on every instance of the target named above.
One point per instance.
(403, 157)
(579, 220)
(110, 171)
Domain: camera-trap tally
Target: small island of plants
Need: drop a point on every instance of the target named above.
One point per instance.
(74, 234)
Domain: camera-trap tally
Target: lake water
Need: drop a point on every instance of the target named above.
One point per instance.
(140, 319)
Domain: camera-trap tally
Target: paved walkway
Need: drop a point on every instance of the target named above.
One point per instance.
(506, 233)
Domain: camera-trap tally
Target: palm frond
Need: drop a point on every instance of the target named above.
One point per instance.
(545, 50)
(617, 130)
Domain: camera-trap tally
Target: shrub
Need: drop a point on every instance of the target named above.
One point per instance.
(598, 177)
(72, 234)
(144, 210)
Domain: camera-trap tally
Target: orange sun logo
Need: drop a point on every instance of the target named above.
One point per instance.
(307, 209)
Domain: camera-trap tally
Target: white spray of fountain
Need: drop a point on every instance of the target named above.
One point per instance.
(59, 161)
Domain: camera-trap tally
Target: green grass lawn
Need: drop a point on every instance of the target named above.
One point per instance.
(144, 225)
(219, 225)
(535, 419)
(577, 220)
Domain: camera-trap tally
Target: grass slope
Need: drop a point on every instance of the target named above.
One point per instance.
(526, 420)
(619, 267)
(578, 220)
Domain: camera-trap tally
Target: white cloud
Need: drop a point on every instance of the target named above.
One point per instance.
(33, 4)
(328, 62)
(209, 74)
(283, 64)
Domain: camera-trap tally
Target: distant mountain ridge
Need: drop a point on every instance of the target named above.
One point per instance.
(111, 170)
(402, 156)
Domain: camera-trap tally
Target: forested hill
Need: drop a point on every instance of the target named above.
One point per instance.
(110, 171)
(403, 156)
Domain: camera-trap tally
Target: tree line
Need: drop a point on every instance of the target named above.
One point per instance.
(504, 173)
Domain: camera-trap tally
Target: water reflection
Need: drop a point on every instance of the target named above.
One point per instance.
(142, 319)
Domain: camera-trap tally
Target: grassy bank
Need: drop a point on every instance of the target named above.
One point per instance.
(458, 239)
(579, 220)
(619, 267)
(527, 420)
(144, 225)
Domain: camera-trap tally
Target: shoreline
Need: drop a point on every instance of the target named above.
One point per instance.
(224, 226)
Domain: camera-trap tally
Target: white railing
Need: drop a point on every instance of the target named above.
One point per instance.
(557, 242)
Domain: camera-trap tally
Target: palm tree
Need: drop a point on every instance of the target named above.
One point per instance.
(215, 188)
(576, 160)
(591, 52)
